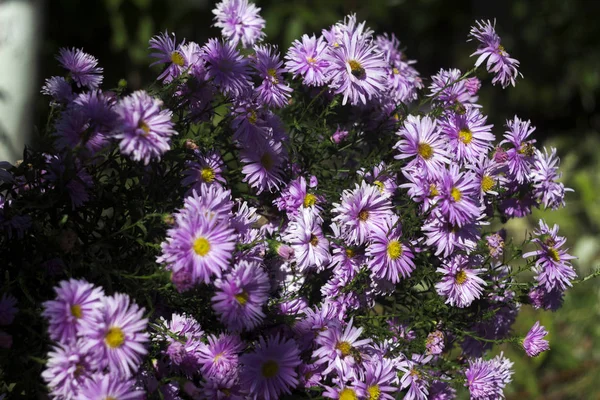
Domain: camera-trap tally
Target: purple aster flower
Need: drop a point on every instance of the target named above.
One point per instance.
(343, 392)
(263, 165)
(116, 338)
(220, 356)
(239, 22)
(413, 378)
(109, 386)
(98, 107)
(184, 326)
(8, 309)
(166, 51)
(205, 168)
(518, 201)
(73, 129)
(240, 296)
(360, 210)
(304, 234)
(448, 88)
(273, 91)
(447, 237)
(226, 67)
(270, 370)
(390, 258)
(67, 369)
(296, 196)
(487, 379)
(460, 284)
(488, 174)
(223, 388)
(211, 202)
(552, 264)
(357, 69)
(381, 177)
(495, 244)
(77, 302)
(499, 61)
(435, 342)
(468, 136)
(339, 135)
(144, 129)
(198, 244)
(306, 58)
(534, 343)
(520, 157)
(59, 89)
(183, 356)
(458, 198)
(83, 68)
(380, 381)
(544, 173)
(540, 297)
(421, 138)
(441, 390)
(472, 85)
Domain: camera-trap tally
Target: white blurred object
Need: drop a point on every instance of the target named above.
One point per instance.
(19, 43)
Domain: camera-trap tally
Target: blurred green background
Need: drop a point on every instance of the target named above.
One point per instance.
(558, 44)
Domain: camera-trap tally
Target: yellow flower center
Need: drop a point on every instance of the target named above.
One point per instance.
(348, 394)
(349, 253)
(207, 174)
(110, 398)
(242, 298)
(311, 60)
(356, 69)
(114, 337)
(456, 194)
(270, 369)
(344, 347)
(394, 249)
(554, 254)
(219, 355)
(425, 151)
(144, 126)
(527, 149)
(363, 215)
(266, 161)
(380, 185)
(395, 71)
(310, 200)
(501, 50)
(461, 277)
(76, 311)
(374, 392)
(177, 58)
(487, 183)
(201, 246)
(433, 190)
(253, 117)
(414, 372)
(273, 74)
(465, 135)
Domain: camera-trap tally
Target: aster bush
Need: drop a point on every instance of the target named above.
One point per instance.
(316, 222)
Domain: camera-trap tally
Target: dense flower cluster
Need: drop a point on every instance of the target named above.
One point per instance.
(294, 224)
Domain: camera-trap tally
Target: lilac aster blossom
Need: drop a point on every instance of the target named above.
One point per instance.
(67, 369)
(544, 173)
(499, 62)
(76, 303)
(357, 69)
(447, 237)
(534, 343)
(421, 138)
(487, 379)
(167, 51)
(116, 338)
(418, 387)
(198, 245)
(360, 210)
(296, 197)
(448, 88)
(83, 68)
(339, 135)
(472, 85)
(495, 244)
(304, 234)
(421, 187)
(59, 88)
(435, 342)
(390, 258)
(226, 67)
(223, 388)
(204, 168)
(239, 22)
(220, 356)
(109, 386)
(488, 174)
(212, 202)
(381, 177)
(468, 136)
(73, 129)
(380, 380)
(270, 370)
(8, 309)
(517, 201)
(144, 128)
(540, 297)
(458, 198)
(461, 284)
(184, 326)
(343, 392)
(552, 266)
(263, 165)
(520, 156)
(240, 296)
(273, 91)
(306, 58)
(98, 107)
(183, 356)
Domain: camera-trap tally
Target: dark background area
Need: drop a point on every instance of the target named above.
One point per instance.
(558, 45)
